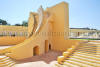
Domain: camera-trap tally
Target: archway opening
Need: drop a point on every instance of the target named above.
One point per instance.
(47, 46)
(35, 51)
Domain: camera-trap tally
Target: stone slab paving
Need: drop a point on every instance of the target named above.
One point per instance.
(45, 60)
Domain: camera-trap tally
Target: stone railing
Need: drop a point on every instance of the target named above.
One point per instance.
(12, 33)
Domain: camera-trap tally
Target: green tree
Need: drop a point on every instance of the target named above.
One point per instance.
(3, 22)
(24, 23)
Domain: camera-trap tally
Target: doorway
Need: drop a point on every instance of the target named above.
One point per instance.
(47, 46)
(35, 51)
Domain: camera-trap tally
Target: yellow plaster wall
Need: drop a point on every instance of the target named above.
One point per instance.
(13, 28)
(8, 40)
(60, 25)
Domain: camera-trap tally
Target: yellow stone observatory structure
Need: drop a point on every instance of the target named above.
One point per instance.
(47, 30)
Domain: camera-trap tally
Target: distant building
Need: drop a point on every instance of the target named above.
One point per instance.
(84, 33)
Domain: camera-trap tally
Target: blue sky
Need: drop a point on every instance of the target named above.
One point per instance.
(82, 13)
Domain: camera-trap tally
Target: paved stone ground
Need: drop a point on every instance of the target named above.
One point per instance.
(45, 60)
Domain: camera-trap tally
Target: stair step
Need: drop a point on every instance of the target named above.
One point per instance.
(88, 47)
(78, 64)
(95, 49)
(59, 65)
(2, 57)
(98, 56)
(10, 65)
(84, 61)
(70, 64)
(91, 44)
(6, 64)
(89, 51)
(88, 44)
(86, 56)
(6, 61)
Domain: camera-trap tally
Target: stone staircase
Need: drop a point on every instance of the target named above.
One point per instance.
(6, 61)
(86, 55)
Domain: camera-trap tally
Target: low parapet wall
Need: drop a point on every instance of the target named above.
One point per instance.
(10, 40)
